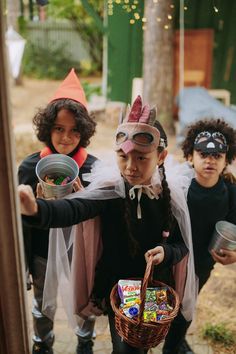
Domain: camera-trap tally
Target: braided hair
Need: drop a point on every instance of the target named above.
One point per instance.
(168, 215)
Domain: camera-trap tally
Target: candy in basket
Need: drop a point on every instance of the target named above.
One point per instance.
(144, 309)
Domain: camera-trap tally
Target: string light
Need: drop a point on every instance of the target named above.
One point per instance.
(216, 9)
(132, 7)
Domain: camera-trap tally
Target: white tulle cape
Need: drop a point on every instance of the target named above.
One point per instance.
(74, 252)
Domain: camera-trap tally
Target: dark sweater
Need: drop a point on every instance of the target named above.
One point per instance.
(206, 207)
(118, 260)
(35, 239)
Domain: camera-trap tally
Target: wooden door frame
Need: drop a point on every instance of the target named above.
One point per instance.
(13, 304)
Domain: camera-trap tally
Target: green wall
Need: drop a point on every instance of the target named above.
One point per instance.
(201, 14)
(125, 45)
(124, 54)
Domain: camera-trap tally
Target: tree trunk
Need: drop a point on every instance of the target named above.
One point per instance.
(158, 59)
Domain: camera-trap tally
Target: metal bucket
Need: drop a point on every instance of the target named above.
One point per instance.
(56, 165)
(224, 236)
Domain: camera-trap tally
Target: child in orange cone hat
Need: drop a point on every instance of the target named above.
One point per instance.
(65, 127)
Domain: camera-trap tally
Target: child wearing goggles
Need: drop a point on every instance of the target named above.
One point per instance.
(134, 205)
(209, 146)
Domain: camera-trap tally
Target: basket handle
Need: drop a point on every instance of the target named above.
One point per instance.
(147, 277)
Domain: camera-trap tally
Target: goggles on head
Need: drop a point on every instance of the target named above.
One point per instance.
(136, 131)
(137, 136)
(141, 138)
(210, 143)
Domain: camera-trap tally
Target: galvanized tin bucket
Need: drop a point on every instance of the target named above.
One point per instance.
(56, 165)
(224, 236)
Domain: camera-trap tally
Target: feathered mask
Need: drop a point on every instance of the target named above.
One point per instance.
(136, 130)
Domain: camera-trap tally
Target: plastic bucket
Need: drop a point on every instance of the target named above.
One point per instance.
(56, 165)
(224, 236)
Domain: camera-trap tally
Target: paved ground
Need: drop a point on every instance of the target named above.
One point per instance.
(65, 342)
(24, 105)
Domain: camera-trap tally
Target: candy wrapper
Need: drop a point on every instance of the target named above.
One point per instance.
(156, 305)
(129, 292)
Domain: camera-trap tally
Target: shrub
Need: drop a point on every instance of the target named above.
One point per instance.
(52, 62)
(218, 333)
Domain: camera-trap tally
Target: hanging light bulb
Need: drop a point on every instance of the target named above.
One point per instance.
(215, 7)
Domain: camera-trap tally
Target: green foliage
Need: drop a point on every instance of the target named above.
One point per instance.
(55, 63)
(218, 333)
(91, 89)
(22, 23)
(51, 62)
(85, 23)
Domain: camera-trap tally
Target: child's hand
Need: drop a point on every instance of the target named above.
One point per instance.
(39, 191)
(28, 203)
(157, 253)
(224, 256)
(77, 185)
(40, 194)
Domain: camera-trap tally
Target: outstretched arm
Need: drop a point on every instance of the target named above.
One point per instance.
(28, 203)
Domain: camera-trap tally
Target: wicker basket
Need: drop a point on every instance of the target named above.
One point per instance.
(136, 332)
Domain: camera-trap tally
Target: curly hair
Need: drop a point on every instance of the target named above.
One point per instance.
(44, 120)
(210, 125)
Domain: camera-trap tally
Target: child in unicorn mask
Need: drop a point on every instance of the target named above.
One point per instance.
(137, 218)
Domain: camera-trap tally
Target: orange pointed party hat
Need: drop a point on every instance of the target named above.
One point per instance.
(71, 88)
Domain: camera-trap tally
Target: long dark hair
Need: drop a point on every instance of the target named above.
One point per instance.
(166, 196)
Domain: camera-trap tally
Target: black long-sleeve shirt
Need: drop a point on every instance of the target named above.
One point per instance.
(118, 259)
(206, 207)
(35, 239)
